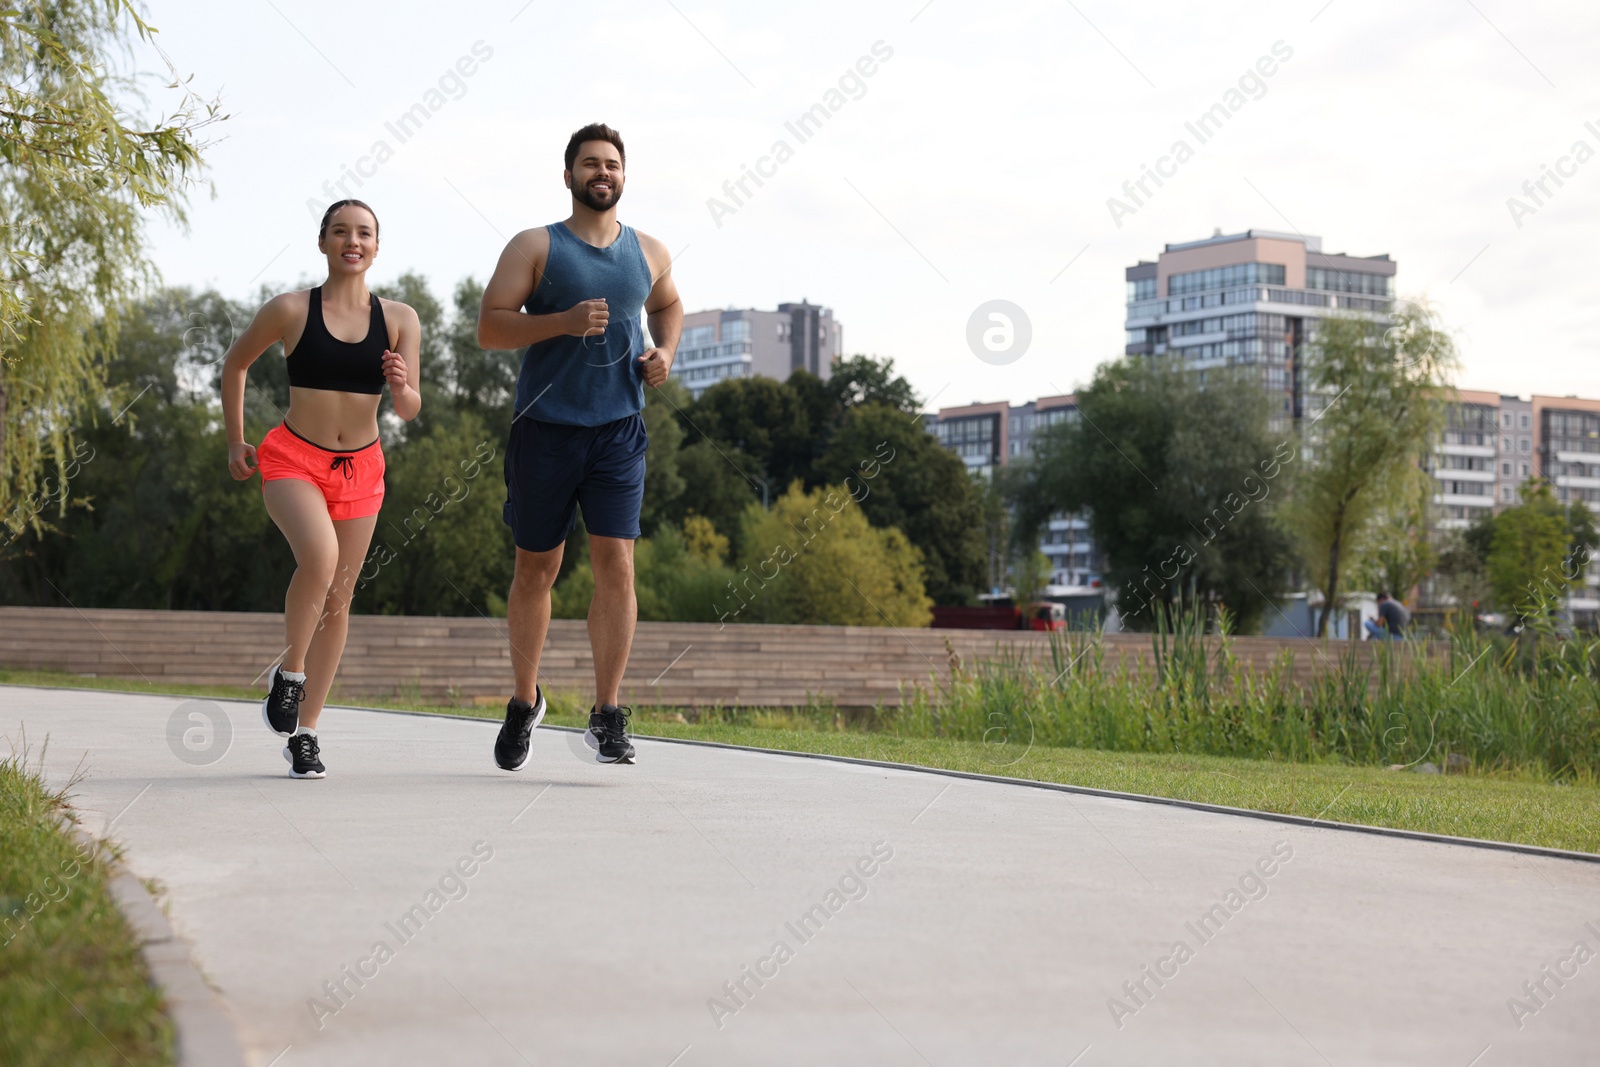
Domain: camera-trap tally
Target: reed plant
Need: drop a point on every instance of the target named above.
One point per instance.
(1523, 704)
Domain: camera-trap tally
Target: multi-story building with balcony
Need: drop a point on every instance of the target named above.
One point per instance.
(1492, 444)
(1463, 463)
(1567, 443)
(990, 436)
(742, 342)
(1515, 456)
(1251, 299)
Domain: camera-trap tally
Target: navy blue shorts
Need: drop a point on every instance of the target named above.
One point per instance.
(553, 469)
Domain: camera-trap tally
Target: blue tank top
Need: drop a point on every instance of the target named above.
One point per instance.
(587, 381)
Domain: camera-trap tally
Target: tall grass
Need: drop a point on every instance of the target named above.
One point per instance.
(1526, 704)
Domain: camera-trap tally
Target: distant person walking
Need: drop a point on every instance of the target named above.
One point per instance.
(322, 469)
(572, 292)
(1392, 620)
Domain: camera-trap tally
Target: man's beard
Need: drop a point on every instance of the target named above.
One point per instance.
(594, 203)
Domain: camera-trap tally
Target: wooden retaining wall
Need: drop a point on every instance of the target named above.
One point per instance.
(466, 660)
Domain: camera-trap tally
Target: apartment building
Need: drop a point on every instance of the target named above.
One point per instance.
(988, 437)
(743, 342)
(1251, 299)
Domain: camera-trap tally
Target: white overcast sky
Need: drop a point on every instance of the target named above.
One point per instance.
(976, 166)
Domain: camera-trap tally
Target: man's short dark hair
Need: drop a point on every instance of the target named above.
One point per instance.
(595, 131)
(1383, 595)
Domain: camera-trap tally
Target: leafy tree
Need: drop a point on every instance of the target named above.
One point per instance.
(1529, 561)
(863, 380)
(441, 545)
(1396, 550)
(1361, 455)
(1030, 573)
(917, 486)
(663, 484)
(814, 558)
(1462, 563)
(76, 177)
(1177, 479)
(1583, 539)
(764, 419)
(484, 381)
(154, 518)
(714, 488)
(703, 541)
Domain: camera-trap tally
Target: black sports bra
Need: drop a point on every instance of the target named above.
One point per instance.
(322, 361)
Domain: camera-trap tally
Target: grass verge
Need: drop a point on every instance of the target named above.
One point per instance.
(73, 987)
(1513, 805)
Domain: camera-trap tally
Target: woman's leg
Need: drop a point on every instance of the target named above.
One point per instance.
(301, 513)
(327, 646)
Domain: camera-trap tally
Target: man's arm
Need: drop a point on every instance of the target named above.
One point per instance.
(503, 325)
(663, 312)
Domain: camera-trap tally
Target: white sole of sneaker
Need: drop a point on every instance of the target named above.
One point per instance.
(289, 757)
(594, 742)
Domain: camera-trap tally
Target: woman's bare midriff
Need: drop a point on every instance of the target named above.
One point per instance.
(332, 419)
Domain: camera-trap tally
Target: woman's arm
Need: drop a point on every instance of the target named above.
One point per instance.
(264, 330)
(402, 368)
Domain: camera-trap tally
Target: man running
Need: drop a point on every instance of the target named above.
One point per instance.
(572, 292)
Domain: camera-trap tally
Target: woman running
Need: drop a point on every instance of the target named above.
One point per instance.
(322, 470)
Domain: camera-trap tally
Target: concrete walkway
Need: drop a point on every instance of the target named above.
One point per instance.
(721, 907)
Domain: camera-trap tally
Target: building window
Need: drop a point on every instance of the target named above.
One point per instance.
(1524, 420)
(1505, 469)
(1505, 493)
(1526, 470)
(1505, 420)
(1143, 289)
(1523, 443)
(1225, 277)
(736, 330)
(1347, 281)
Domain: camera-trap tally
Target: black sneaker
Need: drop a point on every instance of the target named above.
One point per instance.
(511, 748)
(281, 710)
(305, 761)
(608, 734)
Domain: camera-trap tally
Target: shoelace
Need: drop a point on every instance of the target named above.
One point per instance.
(345, 464)
(518, 718)
(293, 693)
(615, 723)
(305, 747)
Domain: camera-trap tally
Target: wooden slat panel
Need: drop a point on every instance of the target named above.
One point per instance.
(672, 663)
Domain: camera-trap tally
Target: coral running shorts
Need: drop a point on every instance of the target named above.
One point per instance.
(351, 481)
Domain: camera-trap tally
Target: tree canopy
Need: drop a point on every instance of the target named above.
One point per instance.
(78, 179)
(1382, 394)
(1180, 480)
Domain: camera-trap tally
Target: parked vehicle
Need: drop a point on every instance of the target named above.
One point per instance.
(1041, 615)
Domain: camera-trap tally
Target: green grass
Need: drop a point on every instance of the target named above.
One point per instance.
(73, 988)
(1505, 803)
(1529, 706)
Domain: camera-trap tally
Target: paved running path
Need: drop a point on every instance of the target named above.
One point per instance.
(617, 901)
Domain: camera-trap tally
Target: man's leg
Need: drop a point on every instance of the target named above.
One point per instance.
(612, 614)
(528, 615)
